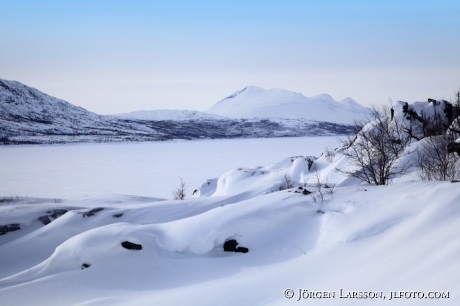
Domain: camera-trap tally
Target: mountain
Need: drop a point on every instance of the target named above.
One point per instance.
(29, 116)
(255, 102)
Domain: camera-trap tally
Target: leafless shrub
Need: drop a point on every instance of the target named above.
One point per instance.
(329, 154)
(376, 148)
(329, 188)
(286, 183)
(9, 199)
(58, 200)
(320, 189)
(433, 161)
(179, 192)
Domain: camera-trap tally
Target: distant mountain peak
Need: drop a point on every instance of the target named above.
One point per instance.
(256, 102)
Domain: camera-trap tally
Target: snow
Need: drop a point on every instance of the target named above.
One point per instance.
(410, 244)
(400, 237)
(255, 102)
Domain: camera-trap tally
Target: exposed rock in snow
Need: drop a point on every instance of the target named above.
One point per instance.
(131, 246)
(232, 246)
(9, 228)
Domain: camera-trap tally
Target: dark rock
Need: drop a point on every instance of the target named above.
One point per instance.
(310, 163)
(300, 188)
(131, 246)
(92, 212)
(242, 250)
(230, 246)
(319, 211)
(455, 181)
(56, 213)
(9, 228)
(117, 215)
(52, 214)
(453, 147)
(306, 192)
(45, 220)
(85, 265)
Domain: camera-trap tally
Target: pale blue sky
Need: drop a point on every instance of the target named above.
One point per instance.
(121, 56)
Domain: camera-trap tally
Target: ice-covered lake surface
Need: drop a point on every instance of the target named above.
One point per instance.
(144, 169)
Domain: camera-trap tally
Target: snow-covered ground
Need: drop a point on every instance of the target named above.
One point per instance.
(374, 240)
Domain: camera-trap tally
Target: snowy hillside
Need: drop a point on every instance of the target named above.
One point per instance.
(35, 117)
(255, 102)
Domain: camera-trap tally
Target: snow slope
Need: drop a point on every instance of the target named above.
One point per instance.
(401, 237)
(255, 102)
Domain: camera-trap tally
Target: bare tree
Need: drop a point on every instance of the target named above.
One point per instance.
(434, 162)
(179, 192)
(286, 183)
(376, 148)
(454, 128)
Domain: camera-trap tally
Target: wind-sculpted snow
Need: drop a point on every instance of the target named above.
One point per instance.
(405, 234)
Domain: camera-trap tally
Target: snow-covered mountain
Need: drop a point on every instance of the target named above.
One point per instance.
(255, 102)
(29, 116)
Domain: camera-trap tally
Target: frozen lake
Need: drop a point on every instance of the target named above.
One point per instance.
(146, 169)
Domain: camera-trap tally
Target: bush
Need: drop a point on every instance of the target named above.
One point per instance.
(179, 193)
(286, 183)
(375, 150)
(329, 154)
(433, 161)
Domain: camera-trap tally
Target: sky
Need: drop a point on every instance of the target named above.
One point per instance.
(121, 56)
